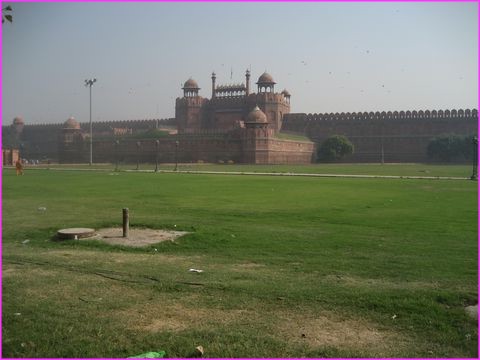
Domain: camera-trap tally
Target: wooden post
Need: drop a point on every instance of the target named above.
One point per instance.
(125, 222)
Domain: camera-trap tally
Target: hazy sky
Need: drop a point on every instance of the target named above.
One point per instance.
(332, 57)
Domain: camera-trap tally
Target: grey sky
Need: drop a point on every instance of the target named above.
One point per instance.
(332, 57)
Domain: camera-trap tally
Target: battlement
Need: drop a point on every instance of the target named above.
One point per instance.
(228, 102)
(389, 115)
(133, 124)
(235, 90)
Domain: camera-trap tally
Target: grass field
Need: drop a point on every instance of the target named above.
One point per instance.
(293, 266)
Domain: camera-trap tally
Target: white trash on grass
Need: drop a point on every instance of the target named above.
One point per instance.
(195, 270)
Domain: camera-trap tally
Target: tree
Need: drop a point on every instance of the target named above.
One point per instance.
(450, 148)
(6, 15)
(335, 148)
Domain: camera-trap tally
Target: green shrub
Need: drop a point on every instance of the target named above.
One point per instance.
(334, 148)
(450, 147)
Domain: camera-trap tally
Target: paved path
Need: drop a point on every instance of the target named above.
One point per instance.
(316, 175)
(258, 173)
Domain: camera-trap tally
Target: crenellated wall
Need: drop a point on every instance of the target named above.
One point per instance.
(402, 136)
(42, 141)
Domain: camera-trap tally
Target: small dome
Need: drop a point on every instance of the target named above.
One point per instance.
(71, 123)
(265, 78)
(18, 121)
(190, 84)
(256, 116)
(285, 92)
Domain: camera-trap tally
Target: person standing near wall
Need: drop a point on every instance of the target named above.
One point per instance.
(19, 167)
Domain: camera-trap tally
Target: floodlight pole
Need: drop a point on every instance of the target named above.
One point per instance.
(90, 83)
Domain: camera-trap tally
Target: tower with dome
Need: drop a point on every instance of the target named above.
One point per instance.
(229, 105)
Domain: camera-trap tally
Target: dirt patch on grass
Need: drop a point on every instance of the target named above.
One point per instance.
(9, 271)
(330, 330)
(136, 237)
(247, 267)
(178, 317)
(324, 330)
(81, 256)
(351, 281)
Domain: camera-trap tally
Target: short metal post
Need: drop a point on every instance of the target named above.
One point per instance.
(125, 222)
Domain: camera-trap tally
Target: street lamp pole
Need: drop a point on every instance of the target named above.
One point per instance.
(89, 83)
(475, 159)
(157, 145)
(176, 155)
(138, 154)
(117, 143)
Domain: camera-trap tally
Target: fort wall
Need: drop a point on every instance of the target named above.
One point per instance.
(289, 152)
(191, 148)
(42, 141)
(202, 146)
(394, 136)
(9, 156)
(399, 136)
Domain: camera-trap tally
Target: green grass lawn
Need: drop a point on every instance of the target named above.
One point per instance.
(293, 266)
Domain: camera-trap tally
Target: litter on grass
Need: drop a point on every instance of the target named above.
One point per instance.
(199, 350)
(195, 270)
(150, 355)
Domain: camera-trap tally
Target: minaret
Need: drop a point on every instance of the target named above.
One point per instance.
(247, 82)
(213, 84)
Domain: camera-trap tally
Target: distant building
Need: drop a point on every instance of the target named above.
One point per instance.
(247, 121)
(237, 125)
(229, 105)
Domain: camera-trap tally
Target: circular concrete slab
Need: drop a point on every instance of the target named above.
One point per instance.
(75, 233)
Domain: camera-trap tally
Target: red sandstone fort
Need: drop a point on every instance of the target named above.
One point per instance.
(237, 125)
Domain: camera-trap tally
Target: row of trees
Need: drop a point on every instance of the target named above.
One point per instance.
(444, 148)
